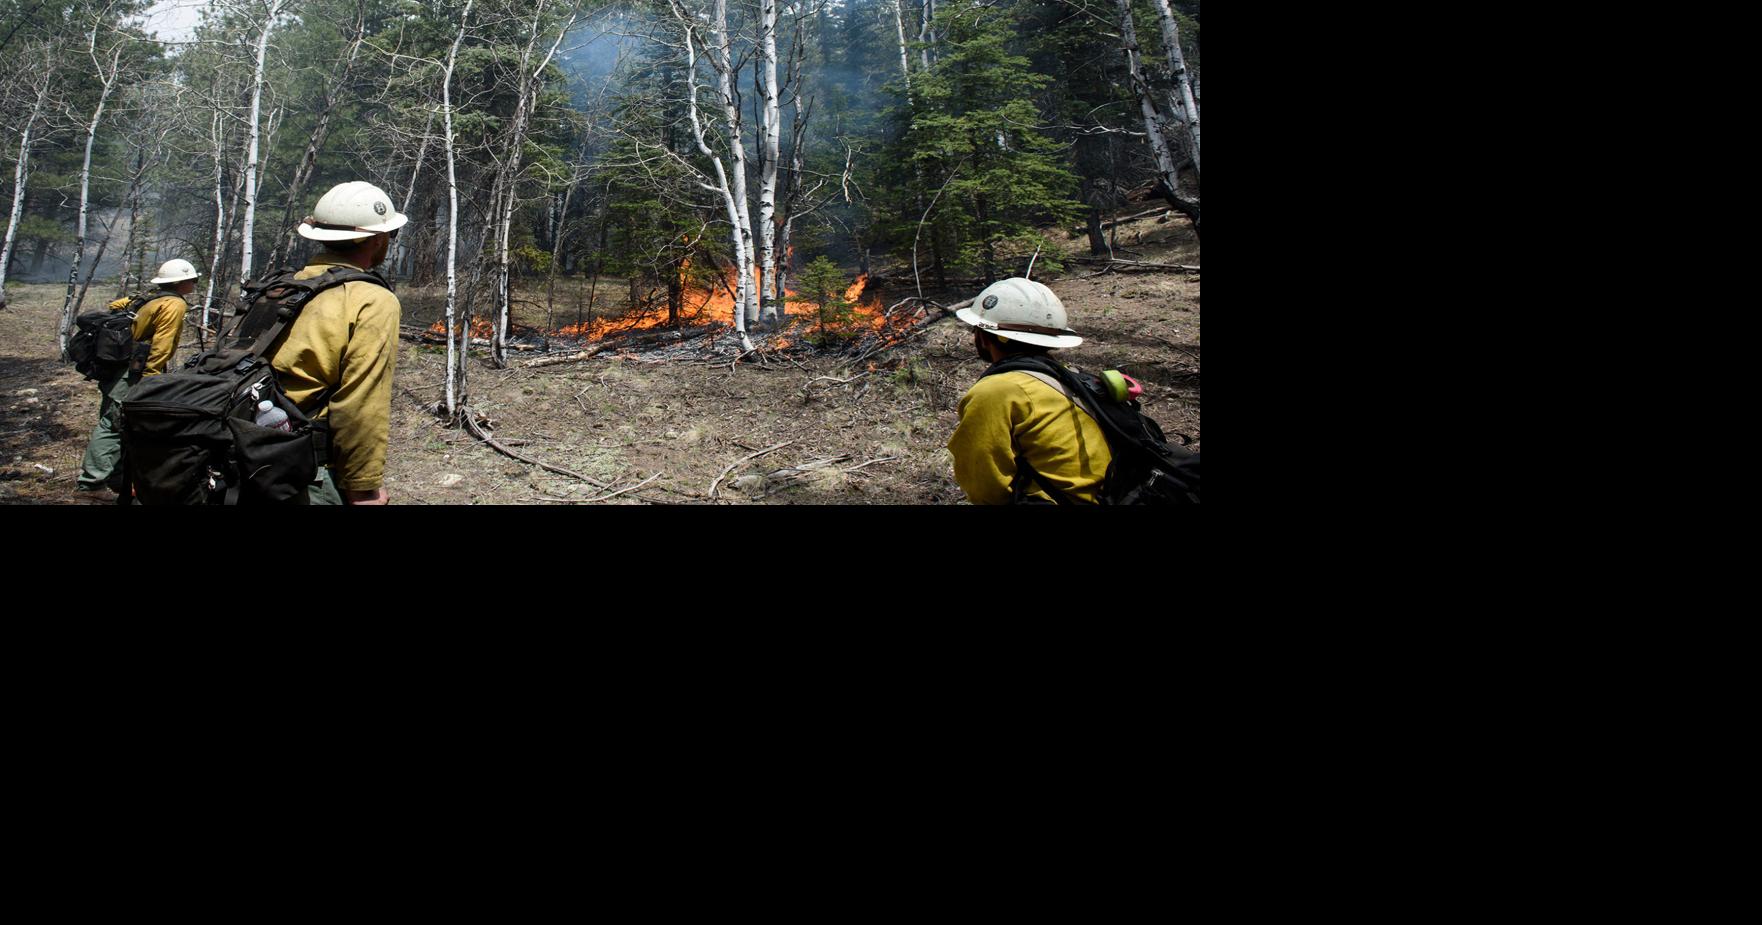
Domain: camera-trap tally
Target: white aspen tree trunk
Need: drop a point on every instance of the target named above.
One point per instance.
(925, 36)
(1159, 147)
(459, 352)
(250, 213)
(108, 81)
(21, 175)
(743, 258)
(1186, 108)
(218, 136)
(905, 61)
(771, 130)
(722, 58)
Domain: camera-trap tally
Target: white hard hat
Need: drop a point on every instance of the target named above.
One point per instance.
(1021, 310)
(352, 211)
(175, 271)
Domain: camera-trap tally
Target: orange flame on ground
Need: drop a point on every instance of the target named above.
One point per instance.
(481, 328)
(714, 304)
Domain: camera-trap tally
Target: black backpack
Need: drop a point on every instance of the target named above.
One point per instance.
(104, 345)
(191, 437)
(1146, 467)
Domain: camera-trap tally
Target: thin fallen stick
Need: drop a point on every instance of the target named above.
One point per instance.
(623, 491)
(738, 462)
(872, 462)
(830, 379)
(471, 424)
(572, 358)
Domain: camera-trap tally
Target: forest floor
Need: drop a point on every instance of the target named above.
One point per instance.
(677, 422)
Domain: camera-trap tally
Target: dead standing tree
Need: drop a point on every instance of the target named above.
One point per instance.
(1181, 100)
(1166, 166)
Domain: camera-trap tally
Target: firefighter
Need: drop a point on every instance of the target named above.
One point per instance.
(159, 322)
(1021, 439)
(336, 360)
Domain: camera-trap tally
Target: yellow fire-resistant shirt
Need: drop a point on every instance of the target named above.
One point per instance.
(1014, 415)
(345, 340)
(163, 320)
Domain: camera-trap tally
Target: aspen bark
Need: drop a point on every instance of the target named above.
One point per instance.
(457, 350)
(905, 62)
(21, 175)
(250, 207)
(217, 135)
(108, 83)
(1166, 167)
(927, 37)
(741, 234)
(771, 131)
(721, 58)
(1186, 107)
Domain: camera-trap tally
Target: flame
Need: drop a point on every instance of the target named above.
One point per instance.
(716, 303)
(481, 328)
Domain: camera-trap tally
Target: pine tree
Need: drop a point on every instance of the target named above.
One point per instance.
(822, 285)
(971, 149)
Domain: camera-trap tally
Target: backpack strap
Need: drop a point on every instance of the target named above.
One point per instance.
(1044, 370)
(290, 312)
(1026, 473)
(1049, 371)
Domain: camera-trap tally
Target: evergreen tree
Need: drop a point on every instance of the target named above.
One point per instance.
(971, 149)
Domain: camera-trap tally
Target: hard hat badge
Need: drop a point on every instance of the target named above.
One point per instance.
(990, 302)
(379, 207)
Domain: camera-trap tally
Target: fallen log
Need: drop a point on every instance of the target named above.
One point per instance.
(1158, 212)
(1137, 264)
(678, 337)
(570, 358)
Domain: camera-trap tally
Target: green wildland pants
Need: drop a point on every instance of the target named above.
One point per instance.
(101, 467)
(323, 490)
